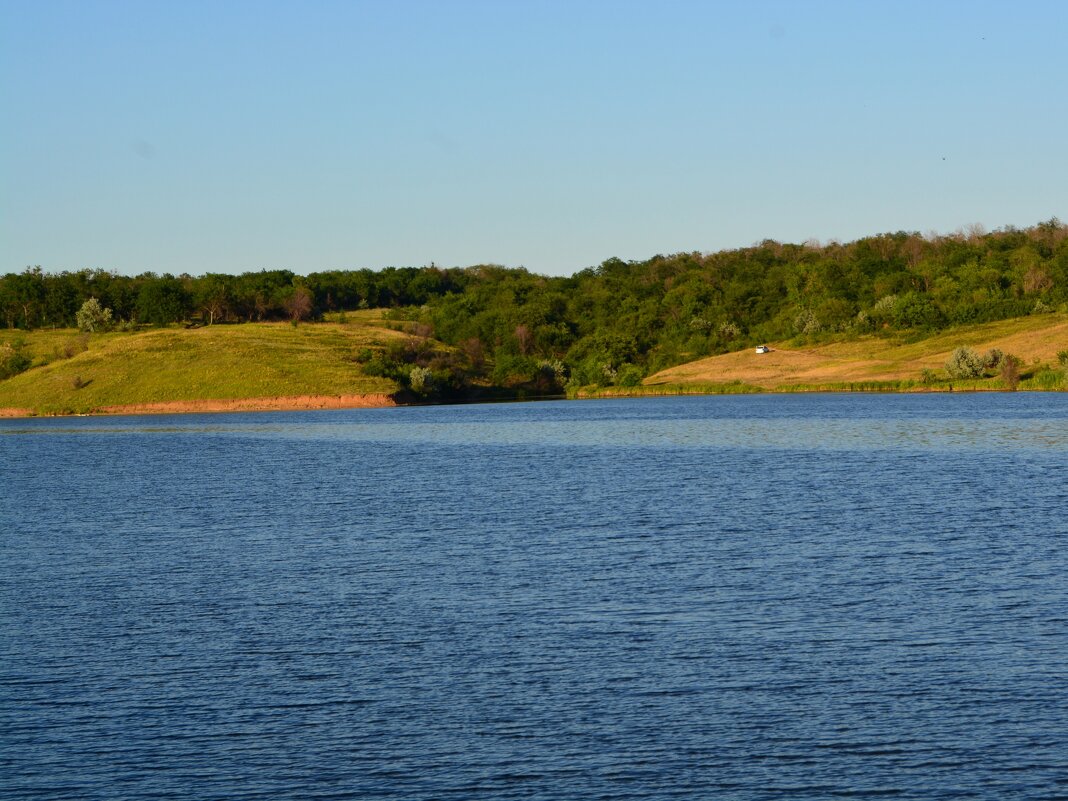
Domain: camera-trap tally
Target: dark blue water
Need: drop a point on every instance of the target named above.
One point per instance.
(801, 597)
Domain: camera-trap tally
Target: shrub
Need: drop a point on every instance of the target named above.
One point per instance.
(551, 374)
(13, 358)
(807, 323)
(701, 324)
(421, 380)
(382, 366)
(993, 359)
(884, 308)
(728, 330)
(965, 363)
(92, 317)
(1010, 372)
(410, 350)
(76, 345)
(1041, 308)
(629, 375)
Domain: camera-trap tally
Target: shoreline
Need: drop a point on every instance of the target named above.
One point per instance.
(285, 403)
(296, 403)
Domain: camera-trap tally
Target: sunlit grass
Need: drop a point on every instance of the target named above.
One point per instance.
(898, 362)
(217, 362)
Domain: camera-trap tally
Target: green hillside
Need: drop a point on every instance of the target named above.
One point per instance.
(172, 364)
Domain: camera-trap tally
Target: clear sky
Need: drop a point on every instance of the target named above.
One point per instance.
(228, 136)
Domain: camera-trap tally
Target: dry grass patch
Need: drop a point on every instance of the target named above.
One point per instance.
(871, 358)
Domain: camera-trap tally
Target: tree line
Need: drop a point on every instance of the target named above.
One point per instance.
(621, 320)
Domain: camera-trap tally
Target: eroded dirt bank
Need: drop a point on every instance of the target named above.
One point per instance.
(287, 403)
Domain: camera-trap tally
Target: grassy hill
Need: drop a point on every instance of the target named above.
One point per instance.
(220, 362)
(230, 366)
(882, 363)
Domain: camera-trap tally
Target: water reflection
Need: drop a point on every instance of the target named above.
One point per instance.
(985, 422)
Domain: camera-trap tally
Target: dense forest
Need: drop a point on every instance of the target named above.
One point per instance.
(614, 323)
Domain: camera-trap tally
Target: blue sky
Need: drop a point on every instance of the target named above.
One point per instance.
(232, 136)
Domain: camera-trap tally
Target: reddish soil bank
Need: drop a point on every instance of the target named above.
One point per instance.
(290, 403)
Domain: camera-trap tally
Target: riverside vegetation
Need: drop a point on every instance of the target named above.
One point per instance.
(901, 311)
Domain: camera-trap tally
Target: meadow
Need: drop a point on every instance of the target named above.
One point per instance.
(894, 362)
(75, 373)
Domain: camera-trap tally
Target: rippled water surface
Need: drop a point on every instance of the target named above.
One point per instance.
(799, 597)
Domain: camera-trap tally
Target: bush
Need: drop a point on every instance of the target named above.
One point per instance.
(806, 322)
(552, 375)
(382, 366)
(92, 317)
(1010, 372)
(883, 310)
(728, 330)
(1041, 308)
(629, 375)
(13, 358)
(965, 363)
(421, 380)
(74, 346)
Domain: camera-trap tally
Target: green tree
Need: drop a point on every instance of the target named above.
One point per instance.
(163, 300)
(22, 298)
(92, 317)
(213, 296)
(965, 363)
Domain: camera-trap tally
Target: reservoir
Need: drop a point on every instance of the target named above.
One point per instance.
(734, 597)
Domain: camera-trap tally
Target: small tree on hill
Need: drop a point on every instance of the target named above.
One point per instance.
(994, 359)
(93, 317)
(965, 363)
(1010, 372)
(421, 380)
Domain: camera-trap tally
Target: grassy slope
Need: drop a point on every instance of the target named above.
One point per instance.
(276, 359)
(1035, 339)
(218, 362)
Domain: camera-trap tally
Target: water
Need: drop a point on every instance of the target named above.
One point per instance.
(803, 597)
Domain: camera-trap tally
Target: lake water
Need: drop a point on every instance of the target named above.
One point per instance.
(792, 597)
